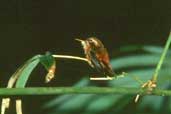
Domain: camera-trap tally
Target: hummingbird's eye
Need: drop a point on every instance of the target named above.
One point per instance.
(93, 42)
(90, 40)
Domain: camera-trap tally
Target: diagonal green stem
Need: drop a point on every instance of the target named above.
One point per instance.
(154, 78)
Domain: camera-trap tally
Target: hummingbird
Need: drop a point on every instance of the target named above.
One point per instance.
(97, 56)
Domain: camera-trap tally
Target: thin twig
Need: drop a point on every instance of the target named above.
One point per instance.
(154, 78)
(70, 57)
(101, 78)
(123, 74)
(137, 98)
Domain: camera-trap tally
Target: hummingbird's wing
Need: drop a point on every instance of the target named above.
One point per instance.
(95, 62)
(105, 61)
(101, 62)
(102, 67)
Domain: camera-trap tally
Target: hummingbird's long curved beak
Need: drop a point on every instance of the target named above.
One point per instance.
(79, 40)
(83, 43)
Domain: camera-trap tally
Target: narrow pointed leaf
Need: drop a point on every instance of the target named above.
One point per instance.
(21, 82)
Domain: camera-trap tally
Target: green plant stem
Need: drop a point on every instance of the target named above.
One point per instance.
(154, 78)
(82, 90)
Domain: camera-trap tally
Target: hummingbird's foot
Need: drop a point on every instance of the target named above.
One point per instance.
(123, 74)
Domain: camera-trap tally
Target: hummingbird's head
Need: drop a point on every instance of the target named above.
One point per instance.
(94, 42)
(91, 42)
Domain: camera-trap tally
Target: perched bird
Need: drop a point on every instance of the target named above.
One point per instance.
(97, 56)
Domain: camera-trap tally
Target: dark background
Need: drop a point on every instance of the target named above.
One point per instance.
(33, 27)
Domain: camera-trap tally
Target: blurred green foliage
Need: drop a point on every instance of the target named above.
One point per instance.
(139, 66)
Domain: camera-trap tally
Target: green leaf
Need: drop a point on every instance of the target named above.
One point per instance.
(46, 60)
(26, 71)
(102, 103)
(135, 60)
(20, 69)
(76, 102)
(154, 102)
(138, 60)
(153, 49)
(64, 98)
(121, 103)
(130, 48)
(130, 79)
(148, 48)
(169, 105)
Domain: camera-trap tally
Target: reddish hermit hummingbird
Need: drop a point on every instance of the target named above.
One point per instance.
(97, 56)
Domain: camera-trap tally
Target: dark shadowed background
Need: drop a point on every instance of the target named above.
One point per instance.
(33, 27)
